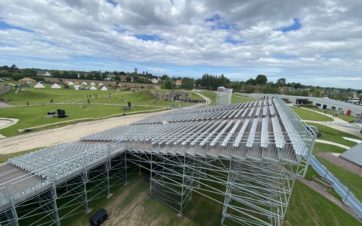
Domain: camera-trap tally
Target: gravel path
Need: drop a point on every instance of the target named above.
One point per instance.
(66, 134)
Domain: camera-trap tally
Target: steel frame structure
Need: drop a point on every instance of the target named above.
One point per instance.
(250, 173)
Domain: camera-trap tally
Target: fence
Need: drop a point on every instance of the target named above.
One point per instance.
(348, 198)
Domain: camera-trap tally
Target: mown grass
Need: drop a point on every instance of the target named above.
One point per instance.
(347, 118)
(309, 115)
(308, 207)
(334, 135)
(67, 96)
(211, 95)
(76, 105)
(236, 98)
(320, 147)
(33, 116)
(352, 180)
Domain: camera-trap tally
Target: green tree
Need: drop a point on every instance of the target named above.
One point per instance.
(188, 83)
(261, 80)
(168, 84)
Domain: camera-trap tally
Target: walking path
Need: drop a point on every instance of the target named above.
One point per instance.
(66, 134)
(208, 101)
(332, 143)
(337, 123)
(6, 122)
(327, 115)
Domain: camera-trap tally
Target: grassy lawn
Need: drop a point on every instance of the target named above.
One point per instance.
(319, 147)
(211, 95)
(43, 96)
(33, 116)
(75, 103)
(234, 99)
(307, 207)
(334, 135)
(194, 96)
(309, 115)
(330, 112)
(352, 180)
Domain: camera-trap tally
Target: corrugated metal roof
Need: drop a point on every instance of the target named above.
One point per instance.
(354, 154)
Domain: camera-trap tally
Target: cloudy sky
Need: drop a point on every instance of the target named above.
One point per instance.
(317, 42)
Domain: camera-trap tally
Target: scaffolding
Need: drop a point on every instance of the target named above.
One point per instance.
(223, 96)
(244, 156)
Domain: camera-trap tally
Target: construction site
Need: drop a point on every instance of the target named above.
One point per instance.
(243, 156)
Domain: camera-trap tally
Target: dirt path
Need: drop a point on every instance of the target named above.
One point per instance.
(131, 215)
(338, 161)
(65, 134)
(208, 101)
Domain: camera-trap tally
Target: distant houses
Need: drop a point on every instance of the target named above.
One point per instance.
(27, 81)
(178, 82)
(155, 80)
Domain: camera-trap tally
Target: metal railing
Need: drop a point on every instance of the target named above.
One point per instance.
(23, 186)
(347, 196)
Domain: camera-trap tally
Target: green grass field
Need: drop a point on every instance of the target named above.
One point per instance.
(334, 135)
(33, 116)
(352, 180)
(330, 112)
(308, 208)
(309, 115)
(236, 98)
(75, 103)
(319, 147)
(67, 96)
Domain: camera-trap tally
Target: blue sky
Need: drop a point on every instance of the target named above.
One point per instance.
(312, 42)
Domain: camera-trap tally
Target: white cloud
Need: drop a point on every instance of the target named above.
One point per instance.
(328, 42)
